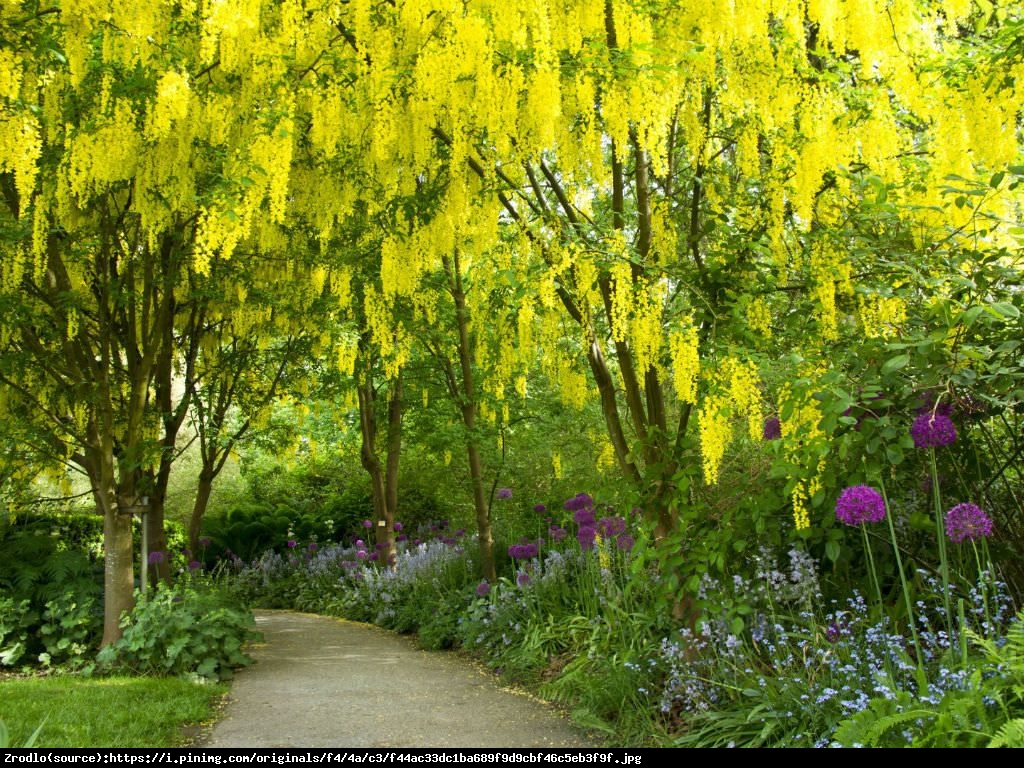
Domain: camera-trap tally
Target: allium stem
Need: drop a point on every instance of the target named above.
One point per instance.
(940, 534)
(903, 583)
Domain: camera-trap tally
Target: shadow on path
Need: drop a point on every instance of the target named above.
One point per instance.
(324, 682)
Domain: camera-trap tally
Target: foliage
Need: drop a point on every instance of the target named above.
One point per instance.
(986, 711)
(181, 631)
(51, 579)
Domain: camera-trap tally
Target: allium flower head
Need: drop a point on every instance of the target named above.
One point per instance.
(194, 565)
(540, 509)
(860, 504)
(967, 521)
(522, 578)
(772, 428)
(292, 543)
(933, 430)
(586, 536)
(367, 524)
(579, 501)
(155, 558)
(397, 527)
(504, 493)
(483, 589)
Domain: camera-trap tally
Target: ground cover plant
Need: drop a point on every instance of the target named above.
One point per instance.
(62, 711)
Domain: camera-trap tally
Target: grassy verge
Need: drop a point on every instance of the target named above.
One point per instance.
(106, 712)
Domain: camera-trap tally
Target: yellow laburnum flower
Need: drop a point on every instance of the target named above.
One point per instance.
(685, 353)
(715, 432)
(171, 107)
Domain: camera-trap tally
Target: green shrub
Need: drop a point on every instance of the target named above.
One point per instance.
(17, 619)
(69, 631)
(180, 631)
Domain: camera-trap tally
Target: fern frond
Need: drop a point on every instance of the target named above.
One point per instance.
(1011, 735)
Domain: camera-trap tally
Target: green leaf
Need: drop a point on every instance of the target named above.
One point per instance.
(1004, 309)
(895, 363)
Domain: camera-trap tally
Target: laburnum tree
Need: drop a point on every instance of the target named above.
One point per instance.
(685, 190)
(137, 141)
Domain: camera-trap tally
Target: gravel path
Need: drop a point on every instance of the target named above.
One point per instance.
(323, 682)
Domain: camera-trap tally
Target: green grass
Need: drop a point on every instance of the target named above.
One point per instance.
(130, 712)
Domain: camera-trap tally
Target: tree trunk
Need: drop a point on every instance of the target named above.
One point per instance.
(203, 492)
(484, 530)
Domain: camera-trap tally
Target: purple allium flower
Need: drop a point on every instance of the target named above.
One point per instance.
(611, 527)
(584, 516)
(194, 565)
(483, 589)
(967, 521)
(504, 493)
(292, 543)
(585, 536)
(557, 532)
(367, 524)
(772, 428)
(401, 537)
(833, 632)
(398, 527)
(860, 504)
(522, 578)
(625, 542)
(155, 557)
(579, 501)
(312, 546)
(525, 550)
(932, 430)
(361, 554)
(204, 542)
(374, 557)
(540, 509)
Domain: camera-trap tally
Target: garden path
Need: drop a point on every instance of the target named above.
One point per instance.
(323, 682)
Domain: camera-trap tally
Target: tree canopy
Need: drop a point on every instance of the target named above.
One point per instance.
(650, 203)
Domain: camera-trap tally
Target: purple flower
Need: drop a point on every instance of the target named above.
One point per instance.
(933, 430)
(361, 554)
(579, 501)
(585, 536)
(312, 546)
(483, 589)
(860, 504)
(540, 509)
(155, 558)
(525, 550)
(292, 543)
(967, 521)
(624, 542)
(611, 527)
(584, 516)
(557, 532)
(398, 527)
(504, 493)
(401, 537)
(522, 578)
(194, 565)
(772, 428)
(833, 632)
